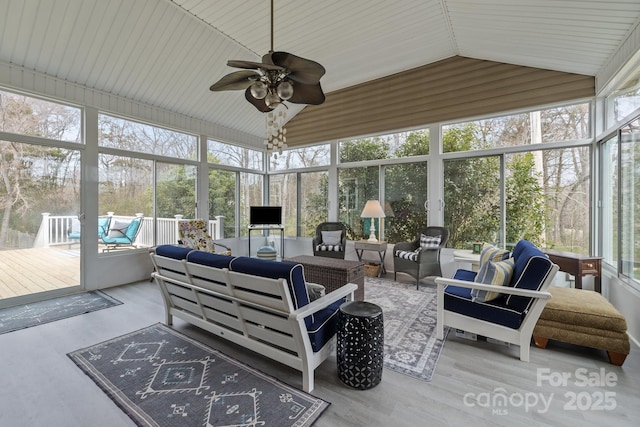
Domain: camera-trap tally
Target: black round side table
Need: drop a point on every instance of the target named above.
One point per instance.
(360, 350)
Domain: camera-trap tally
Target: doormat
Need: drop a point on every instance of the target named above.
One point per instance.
(160, 377)
(37, 313)
(410, 343)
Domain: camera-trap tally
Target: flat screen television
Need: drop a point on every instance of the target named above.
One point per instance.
(265, 215)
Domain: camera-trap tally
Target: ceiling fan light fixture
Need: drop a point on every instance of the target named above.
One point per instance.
(281, 76)
(272, 99)
(285, 90)
(259, 90)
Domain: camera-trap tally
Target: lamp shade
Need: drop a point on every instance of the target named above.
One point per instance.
(372, 209)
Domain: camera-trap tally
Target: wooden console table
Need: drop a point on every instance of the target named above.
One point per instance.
(578, 265)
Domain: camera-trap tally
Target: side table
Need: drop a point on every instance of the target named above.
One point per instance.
(380, 247)
(360, 349)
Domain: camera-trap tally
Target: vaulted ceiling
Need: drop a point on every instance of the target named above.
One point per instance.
(167, 53)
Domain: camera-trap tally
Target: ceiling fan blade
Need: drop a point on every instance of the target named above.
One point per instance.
(258, 103)
(235, 81)
(253, 65)
(301, 70)
(307, 94)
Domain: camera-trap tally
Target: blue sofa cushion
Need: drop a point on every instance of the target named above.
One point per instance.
(529, 272)
(292, 272)
(209, 259)
(173, 251)
(322, 325)
(459, 300)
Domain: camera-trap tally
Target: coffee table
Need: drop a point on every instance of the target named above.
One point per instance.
(332, 273)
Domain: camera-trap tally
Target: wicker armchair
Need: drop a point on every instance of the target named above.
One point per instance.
(330, 249)
(420, 259)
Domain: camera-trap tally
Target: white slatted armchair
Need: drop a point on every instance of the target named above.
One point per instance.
(513, 314)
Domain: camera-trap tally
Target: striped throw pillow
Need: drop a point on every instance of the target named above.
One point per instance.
(492, 273)
(492, 253)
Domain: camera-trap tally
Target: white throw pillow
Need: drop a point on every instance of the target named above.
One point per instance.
(118, 228)
(331, 237)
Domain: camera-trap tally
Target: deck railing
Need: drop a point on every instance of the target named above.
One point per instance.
(54, 229)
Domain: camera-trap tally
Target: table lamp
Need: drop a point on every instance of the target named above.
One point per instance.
(372, 209)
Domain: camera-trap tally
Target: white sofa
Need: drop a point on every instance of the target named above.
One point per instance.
(259, 304)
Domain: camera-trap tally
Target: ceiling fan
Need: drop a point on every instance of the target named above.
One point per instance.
(281, 76)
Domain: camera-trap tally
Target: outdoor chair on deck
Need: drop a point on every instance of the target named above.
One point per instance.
(103, 228)
(421, 257)
(194, 234)
(122, 233)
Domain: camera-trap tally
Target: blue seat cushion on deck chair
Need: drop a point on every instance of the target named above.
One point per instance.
(172, 251)
(209, 259)
(322, 325)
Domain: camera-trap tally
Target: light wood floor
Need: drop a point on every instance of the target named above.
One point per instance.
(42, 387)
(33, 270)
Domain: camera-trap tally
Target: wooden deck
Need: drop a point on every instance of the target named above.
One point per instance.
(28, 271)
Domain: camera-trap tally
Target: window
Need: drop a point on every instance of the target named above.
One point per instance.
(153, 180)
(355, 187)
(405, 190)
(609, 195)
(624, 100)
(25, 115)
(137, 137)
(472, 201)
(303, 197)
(551, 125)
(395, 145)
(307, 157)
(566, 184)
(283, 191)
(630, 199)
(222, 199)
(251, 185)
(234, 155)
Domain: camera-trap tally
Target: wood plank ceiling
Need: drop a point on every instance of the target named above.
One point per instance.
(166, 53)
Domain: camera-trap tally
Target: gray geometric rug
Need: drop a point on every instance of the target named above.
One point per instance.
(160, 377)
(37, 313)
(409, 316)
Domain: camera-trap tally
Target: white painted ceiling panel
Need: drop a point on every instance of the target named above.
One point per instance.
(167, 53)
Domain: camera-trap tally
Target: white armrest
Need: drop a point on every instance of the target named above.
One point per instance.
(442, 282)
(323, 302)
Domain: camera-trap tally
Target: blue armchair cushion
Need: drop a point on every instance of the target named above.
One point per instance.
(459, 300)
(492, 273)
(530, 270)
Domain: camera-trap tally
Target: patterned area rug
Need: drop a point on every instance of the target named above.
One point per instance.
(409, 315)
(25, 316)
(160, 377)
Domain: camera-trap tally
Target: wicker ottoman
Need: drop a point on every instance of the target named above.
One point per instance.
(586, 318)
(332, 273)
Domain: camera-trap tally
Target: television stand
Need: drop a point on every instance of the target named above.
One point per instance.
(268, 228)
